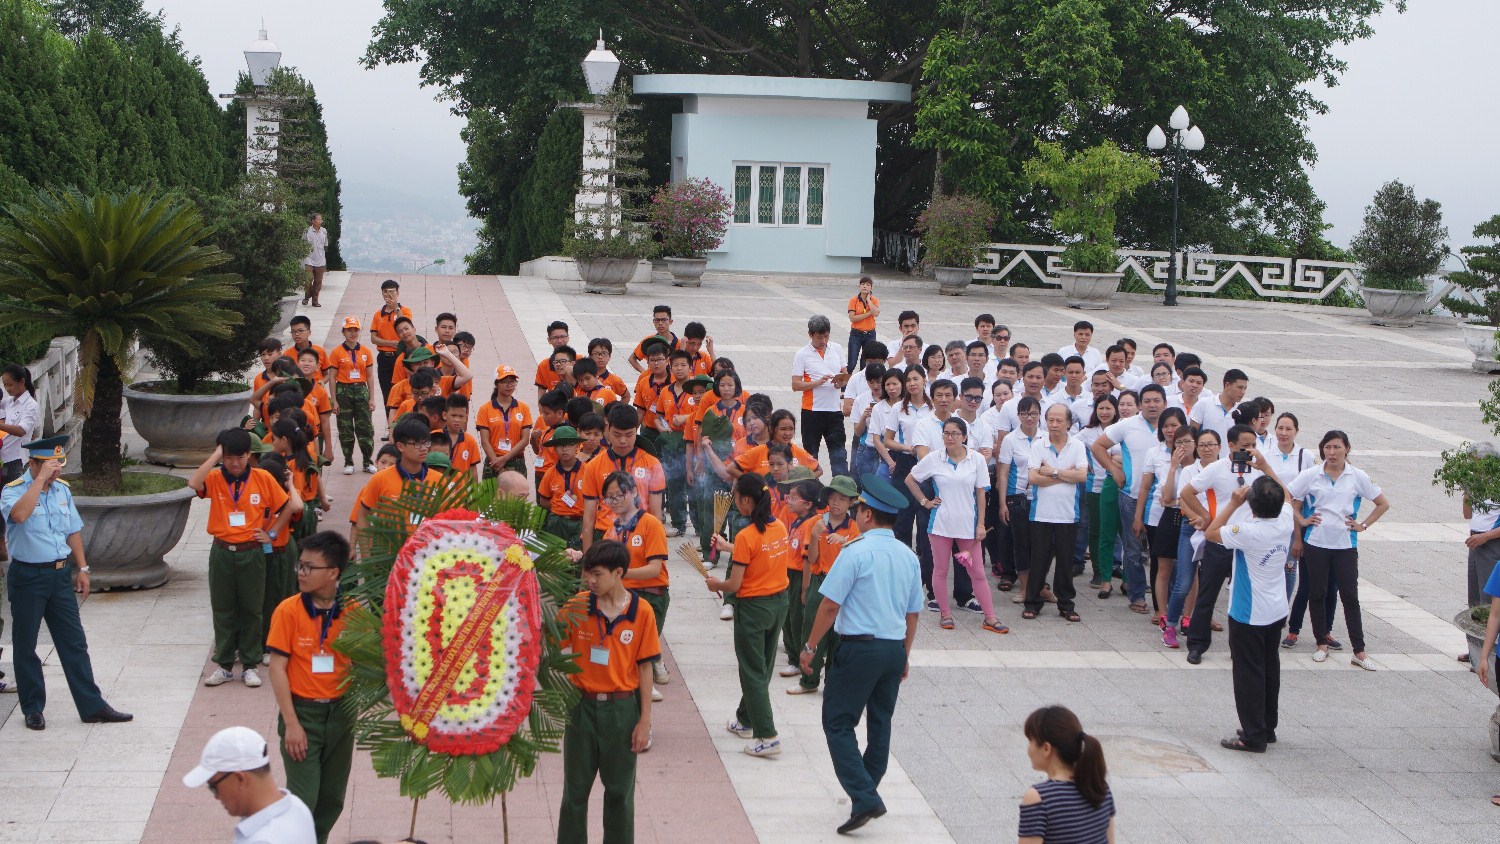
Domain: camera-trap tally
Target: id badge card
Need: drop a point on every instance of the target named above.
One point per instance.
(237, 519)
(503, 445)
(322, 664)
(599, 656)
(355, 374)
(569, 499)
(539, 462)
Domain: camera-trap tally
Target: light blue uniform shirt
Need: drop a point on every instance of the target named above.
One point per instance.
(876, 581)
(43, 537)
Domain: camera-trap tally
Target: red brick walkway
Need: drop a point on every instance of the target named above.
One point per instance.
(677, 781)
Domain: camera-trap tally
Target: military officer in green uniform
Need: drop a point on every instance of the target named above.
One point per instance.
(871, 597)
(45, 531)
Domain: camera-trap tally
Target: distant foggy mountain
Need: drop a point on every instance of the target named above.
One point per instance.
(369, 201)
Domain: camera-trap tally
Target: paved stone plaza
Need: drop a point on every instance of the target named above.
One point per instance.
(1396, 755)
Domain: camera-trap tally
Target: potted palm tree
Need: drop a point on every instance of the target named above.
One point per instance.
(1481, 277)
(691, 218)
(1402, 241)
(954, 230)
(606, 237)
(1084, 188)
(111, 270)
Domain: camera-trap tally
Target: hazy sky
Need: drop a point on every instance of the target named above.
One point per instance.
(1411, 105)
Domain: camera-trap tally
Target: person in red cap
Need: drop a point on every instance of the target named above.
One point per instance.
(505, 425)
(350, 365)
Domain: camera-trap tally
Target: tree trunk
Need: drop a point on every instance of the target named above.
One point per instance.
(101, 428)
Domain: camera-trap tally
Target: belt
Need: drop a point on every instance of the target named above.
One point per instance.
(862, 637)
(1020, 495)
(601, 697)
(655, 590)
(324, 700)
(53, 564)
(383, 353)
(235, 549)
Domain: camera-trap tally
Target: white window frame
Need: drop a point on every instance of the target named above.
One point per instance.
(780, 166)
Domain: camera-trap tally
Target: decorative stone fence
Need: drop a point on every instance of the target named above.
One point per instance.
(56, 375)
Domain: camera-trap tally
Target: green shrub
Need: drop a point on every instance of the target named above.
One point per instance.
(1402, 240)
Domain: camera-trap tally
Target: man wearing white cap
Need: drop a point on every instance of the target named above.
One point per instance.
(236, 767)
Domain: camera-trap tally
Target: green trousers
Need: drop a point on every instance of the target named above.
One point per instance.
(305, 527)
(757, 623)
(355, 424)
(597, 744)
(830, 640)
(703, 510)
(793, 636)
(659, 604)
(321, 779)
(281, 583)
(1109, 529)
(566, 528)
(517, 465)
(236, 595)
(674, 466)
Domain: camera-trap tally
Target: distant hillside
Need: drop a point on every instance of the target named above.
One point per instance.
(369, 201)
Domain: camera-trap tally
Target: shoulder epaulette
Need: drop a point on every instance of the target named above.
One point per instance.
(16, 482)
(849, 542)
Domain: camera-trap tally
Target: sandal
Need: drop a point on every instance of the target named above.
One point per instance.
(1238, 743)
(1105, 593)
(1028, 614)
(946, 622)
(1005, 585)
(1072, 616)
(995, 627)
(1217, 627)
(1140, 608)
(1495, 800)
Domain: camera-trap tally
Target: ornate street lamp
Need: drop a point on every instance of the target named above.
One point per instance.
(599, 68)
(1185, 138)
(262, 57)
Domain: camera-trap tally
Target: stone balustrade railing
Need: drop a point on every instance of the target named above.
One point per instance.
(56, 375)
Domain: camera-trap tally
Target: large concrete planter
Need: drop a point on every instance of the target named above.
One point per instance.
(953, 281)
(1089, 291)
(126, 537)
(180, 430)
(288, 310)
(687, 272)
(1474, 632)
(1393, 308)
(609, 276)
(1481, 341)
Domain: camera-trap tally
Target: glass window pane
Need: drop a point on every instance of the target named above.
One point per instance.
(742, 193)
(765, 210)
(815, 176)
(791, 196)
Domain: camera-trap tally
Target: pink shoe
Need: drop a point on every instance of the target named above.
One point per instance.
(1169, 636)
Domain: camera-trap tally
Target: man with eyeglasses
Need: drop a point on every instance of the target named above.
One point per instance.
(236, 767)
(413, 440)
(661, 324)
(546, 375)
(999, 343)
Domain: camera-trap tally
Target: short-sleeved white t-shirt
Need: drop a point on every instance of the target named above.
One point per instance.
(807, 363)
(1484, 517)
(981, 435)
(1211, 416)
(1216, 483)
(1010, 420)
(1288, 466)
(1333, 500)
(902, 420)
(1092, 359)
(1137, 437)
(1057, 503)
(1095, 481)
(1257, 592)
(956, 517)
(1158, 463)
(1013, 459)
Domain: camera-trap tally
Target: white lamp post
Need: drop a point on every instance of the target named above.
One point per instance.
(1185, 138)
(600, 67)
(262, 56)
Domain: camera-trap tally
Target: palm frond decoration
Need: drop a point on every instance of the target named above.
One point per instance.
(471, 778)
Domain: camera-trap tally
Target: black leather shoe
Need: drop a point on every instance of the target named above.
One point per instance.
(859, 819)
(35, 721)
(109, 715)
(1195, 657)
(1271, 739)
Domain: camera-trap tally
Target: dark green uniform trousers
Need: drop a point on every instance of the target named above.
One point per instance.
(793, 636)
(354, 422)
(863, 676)
(281, 583)
(567, 528)
(674, 467)
(757, 625)
(659, 604)
(597, 743)
(322, 777)
(237, 594)
(830, 641)
(45, 593)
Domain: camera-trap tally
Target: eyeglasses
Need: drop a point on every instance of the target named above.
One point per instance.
(1002, 336)
(1032, 414)
(426, 446)
(213, 784)
(979, 397)
(619, 496)
(953, 433)
(304, 568)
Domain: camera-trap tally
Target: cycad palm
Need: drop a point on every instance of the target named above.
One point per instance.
(110, 269)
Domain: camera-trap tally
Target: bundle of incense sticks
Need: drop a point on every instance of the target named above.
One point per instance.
(688, 551)
(723, 501)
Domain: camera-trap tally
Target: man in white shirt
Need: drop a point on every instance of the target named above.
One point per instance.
(857, 391)
(955, 353)
(1163, 353)
(999, 342)
(1031, 387)
(820, 374)
(1257, 604)
(981, 366)
(1193, 394)
(984, 326)
(1120, 378)
(1080, 402)
(1052, 374)
(909, 354)
(1137, 437)
(236, 767)
(1218, 415)
(909, 323)
(1135, 371)
(1083, 334)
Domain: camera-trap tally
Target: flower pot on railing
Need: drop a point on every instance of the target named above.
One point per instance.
(1481, 341)
(1393, 308)
(687, 272)
(1089, 291)
(953, 281)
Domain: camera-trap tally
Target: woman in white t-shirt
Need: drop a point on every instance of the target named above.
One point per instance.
(1329, 497)
(900, 440)
(1184, 594)
(1288, 460)
(1056, 469)
(1103, 523)
(866, 458)
(961, 480)
(893, 390)
(1012, 485)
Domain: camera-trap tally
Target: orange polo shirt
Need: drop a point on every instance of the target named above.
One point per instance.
(306, 482)
(558, 483)
(631, 640)
(466, 452)
(351, 366)
(601, 394)
(799, 535)
(383, 325)
(614, 382)
(546, 377)
(735, 413)
(829, 551)
(754, 460)
(297, 634)
(507, 424)
(643, 468)
(323, 365)
(387, 483)
(867, 322)
(703, 364)
(646, 396)
(670, 403)
(258, 497)
(545, 457)
(764, 553)
(647, 542)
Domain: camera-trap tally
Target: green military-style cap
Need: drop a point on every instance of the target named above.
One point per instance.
(419, 354)
(842, 484)
(563, 435)
(438, 460)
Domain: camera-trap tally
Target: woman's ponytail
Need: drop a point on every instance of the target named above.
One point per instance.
(289, 430)
(753, 487)
(1059, 727)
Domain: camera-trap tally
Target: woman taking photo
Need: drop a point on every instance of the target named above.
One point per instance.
(1166, 545)
(758, 580)
(961, 479)
(1073, 804)
(1057, 467)
(1152, 508)
(1103, 513)
(1184, 593)
(1331, 494)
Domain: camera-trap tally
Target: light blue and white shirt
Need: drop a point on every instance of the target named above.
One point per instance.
(1335, 500)
(1257, 592)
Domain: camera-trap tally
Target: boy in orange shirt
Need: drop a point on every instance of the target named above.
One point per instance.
(413, 439)
(242, 501)
(466, 454)
(349, 377)
(589, 386)
(383, 333)
(308, 361)
(546, 375)
(561, 489)
(620, 426)
(601, 351)
(551, 414)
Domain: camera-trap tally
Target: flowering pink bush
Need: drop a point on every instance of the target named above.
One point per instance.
(691, 216)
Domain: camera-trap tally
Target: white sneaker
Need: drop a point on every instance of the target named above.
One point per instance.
(265, 659)
(219, 677)
(369, 468)
(650, 737)
(655, 694)
(739, 729)
(761, 747)
(727, 614)
(1367, 663)
(349, 469)
(660, 675)
(252, 678)
(1320, 655)
(790, 671)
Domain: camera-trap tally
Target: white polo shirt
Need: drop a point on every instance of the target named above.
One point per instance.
(902, 420)
(1217, 483)
(1136, 437)
(1013, 459)
(1010, 421)
(1092, 360)
(981, 435)
(1057, 503)
(22, 411)
(1158, 463)
(1484, 517)
(1095, 481)
(287, 821)
(1334, 500)
(1257, 591)
(1288, 466)
(929, 432)
(956, 517)
(1211, 416)
(809, 365)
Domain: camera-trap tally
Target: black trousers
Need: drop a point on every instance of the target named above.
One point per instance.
(1212, 573)
(1316, 563)
(1256, 651)
(385, 369)
(995, 530)
(826, 426)
(1015, 538)
(1051, 542)
(906, 519)
(958, 576)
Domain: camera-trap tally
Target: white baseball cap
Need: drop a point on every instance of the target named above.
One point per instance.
(230, 750)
